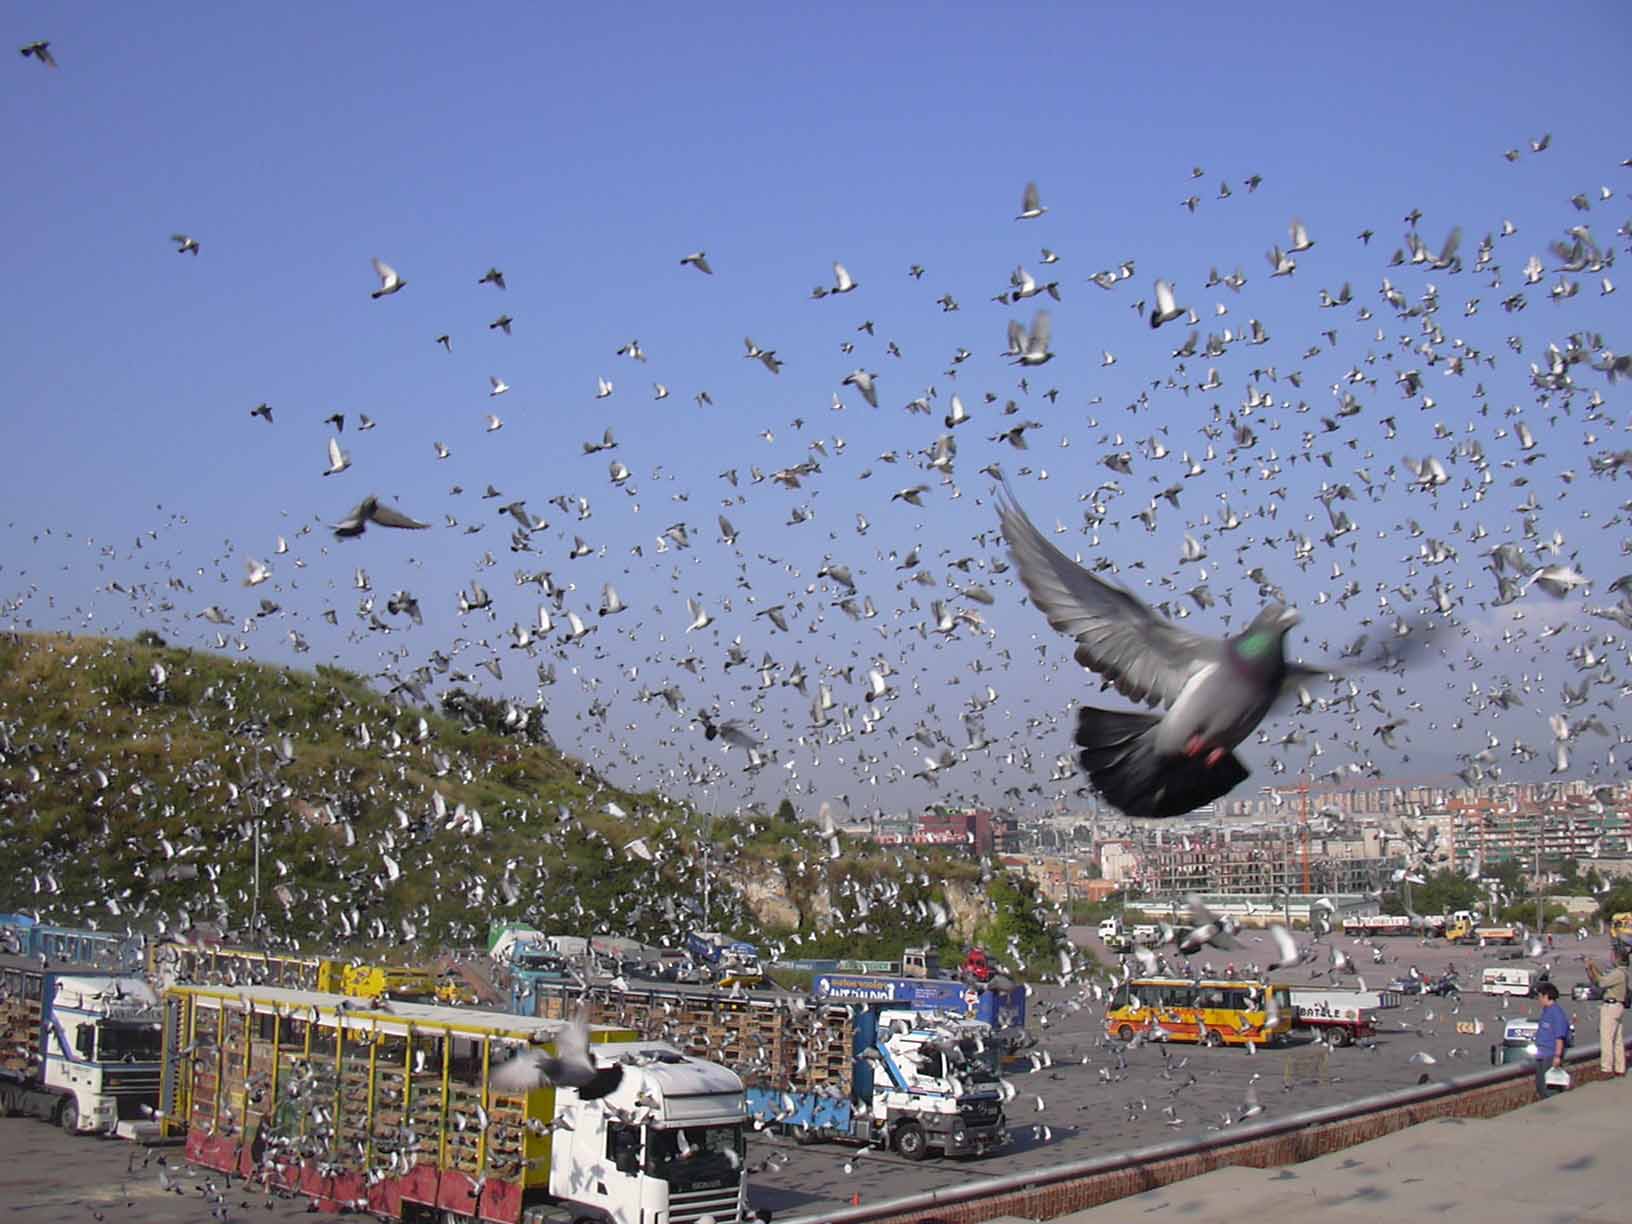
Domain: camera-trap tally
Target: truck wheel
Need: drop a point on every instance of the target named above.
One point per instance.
(1212, 1041)
(910, 1141)
(1341, 1037)
(68, 1119)
(1125, 1033)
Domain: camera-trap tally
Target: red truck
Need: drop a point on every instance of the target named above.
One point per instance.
(977, 965)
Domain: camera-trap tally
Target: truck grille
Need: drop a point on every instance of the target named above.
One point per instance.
(688, 1206)
(980, 1113)
(121, 1082)
(131, 1090)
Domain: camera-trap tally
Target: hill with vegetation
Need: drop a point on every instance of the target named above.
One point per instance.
(134, 775)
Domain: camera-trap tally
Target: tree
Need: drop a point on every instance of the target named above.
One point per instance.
(1444, 892)
(1617, 901)
(1509, 873)
(1018, 921)
(786, 813)
(1525, 912)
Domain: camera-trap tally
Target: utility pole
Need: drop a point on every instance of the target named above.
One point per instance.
(1541, 825)
(1304, 820)
(259, 809)
(708, 852)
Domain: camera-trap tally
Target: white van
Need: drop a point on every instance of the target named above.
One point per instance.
(1110, 928)
(1509, 981)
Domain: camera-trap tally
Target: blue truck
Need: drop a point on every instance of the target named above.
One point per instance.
(21, 935)
(721, 953)
(1003, 1008)
(914, 1083)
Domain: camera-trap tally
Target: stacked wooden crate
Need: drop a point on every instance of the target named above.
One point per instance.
(19, 1028)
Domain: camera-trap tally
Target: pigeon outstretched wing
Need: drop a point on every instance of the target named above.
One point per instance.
(1118, 636)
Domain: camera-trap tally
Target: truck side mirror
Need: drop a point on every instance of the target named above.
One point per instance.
(85, 1040)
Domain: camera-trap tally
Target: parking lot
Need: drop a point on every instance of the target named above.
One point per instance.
(1094, 1097)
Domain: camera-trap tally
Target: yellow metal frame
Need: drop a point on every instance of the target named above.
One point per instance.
(318, 1010)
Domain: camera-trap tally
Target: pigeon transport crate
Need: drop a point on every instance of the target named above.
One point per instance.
(768, 1037)
(357, 1107)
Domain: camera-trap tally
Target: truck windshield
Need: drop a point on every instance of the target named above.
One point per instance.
(121, 1041)
(977, 1065)
(695, 1157)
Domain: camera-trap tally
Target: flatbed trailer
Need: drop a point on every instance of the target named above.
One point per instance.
(395, 1109)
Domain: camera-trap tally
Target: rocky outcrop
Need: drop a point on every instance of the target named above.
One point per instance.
(968, 906)
(767, 895)
(775, 901)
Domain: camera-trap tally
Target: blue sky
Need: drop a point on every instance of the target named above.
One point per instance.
(583, 152)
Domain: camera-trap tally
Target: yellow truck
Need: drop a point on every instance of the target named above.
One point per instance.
(1620, 925)
(172, 961)
(1465, 932)
(410, 1111)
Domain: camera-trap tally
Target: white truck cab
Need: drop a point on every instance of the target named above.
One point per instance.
(1504, 981)
(667, 1144)
(80, 1048)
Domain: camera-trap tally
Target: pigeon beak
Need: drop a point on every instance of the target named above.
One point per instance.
(1289, 617)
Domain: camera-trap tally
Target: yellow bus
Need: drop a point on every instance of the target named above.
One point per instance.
(1212, 1013)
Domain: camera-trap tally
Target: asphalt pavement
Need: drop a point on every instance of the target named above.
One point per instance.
(1098, 1098)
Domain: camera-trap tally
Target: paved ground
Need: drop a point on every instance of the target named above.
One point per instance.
(1560, 1161)
(1093, 1105)
(1090, 1102)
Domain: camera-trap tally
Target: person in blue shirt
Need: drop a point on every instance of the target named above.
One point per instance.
(1552, 1036)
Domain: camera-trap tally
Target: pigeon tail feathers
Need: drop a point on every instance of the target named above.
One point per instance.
(1120, 756)
(604, 1082)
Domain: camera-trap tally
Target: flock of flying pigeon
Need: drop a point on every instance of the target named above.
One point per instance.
(1439, 510)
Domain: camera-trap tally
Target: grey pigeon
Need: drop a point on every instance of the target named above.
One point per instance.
(571, 1067)
(372, 510)
(1215, 691)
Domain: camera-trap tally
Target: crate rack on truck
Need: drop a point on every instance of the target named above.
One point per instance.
(395, 1109)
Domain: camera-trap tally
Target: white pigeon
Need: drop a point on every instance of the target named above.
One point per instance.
(1030, 205)
(1166, 309)
(390, 282)
(1033, 346)
(339, 461)
(499, 385)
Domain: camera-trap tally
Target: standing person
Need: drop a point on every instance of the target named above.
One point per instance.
(1612, 986)
(1552, 1037)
